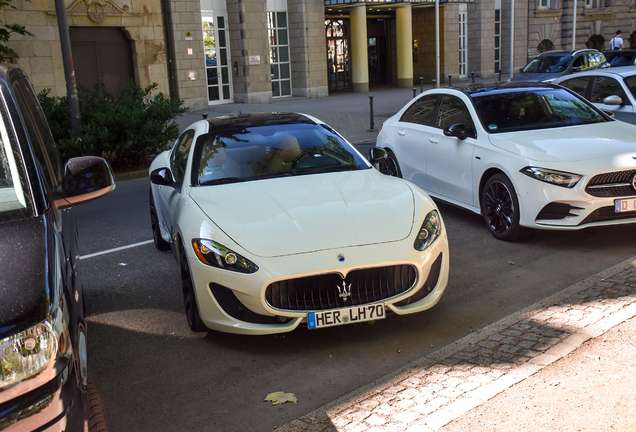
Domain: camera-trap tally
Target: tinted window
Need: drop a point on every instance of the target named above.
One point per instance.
(538, 109)
(39, 134)
(622, 59)
(604, 87)
(548, 63)
(452, 111)
(630, 82)
(423, 111)
(180, 155)
(259, 152)
(578, 85)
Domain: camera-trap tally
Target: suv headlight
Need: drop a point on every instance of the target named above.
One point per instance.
(558, 178)
(216, 255)
(34, 350)
(429, 232)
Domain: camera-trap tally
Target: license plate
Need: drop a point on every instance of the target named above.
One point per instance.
(350, 315)
(625, 205)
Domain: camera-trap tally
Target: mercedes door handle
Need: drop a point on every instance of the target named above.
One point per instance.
(401, 133)
(433, 140)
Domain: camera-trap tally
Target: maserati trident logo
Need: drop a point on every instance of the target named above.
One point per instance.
(344, 291)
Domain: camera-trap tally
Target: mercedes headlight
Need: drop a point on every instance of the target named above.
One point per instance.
(32, 351)
(558, 178)
(216, 255)
(429, 232)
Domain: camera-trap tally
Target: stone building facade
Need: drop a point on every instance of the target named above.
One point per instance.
(252, 51)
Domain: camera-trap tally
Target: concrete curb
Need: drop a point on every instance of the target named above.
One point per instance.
(406, 388)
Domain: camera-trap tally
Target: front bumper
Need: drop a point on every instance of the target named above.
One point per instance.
(56, 406)
(217, 289)
(545, 206)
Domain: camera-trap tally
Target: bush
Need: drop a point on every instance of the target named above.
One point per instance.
(127, 128)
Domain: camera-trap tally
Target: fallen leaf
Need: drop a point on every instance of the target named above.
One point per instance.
(278, 398)
(594, 357)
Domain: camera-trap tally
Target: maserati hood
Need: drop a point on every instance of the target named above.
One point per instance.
(570, 144)
(293, 215)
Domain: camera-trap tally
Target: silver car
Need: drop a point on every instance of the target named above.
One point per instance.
(612, 89)
(550, 65)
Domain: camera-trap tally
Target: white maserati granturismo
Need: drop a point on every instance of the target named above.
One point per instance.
(524, 155)
(276, 221)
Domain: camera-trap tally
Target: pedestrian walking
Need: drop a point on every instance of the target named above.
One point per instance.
(617, 41)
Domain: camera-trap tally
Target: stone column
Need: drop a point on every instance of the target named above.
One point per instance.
(404, 43)
(359, 49)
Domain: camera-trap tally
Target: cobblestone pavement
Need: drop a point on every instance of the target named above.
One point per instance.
(439, 388)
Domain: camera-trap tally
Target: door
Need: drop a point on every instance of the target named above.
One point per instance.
(338, 62)
(416, 126)
(218, 64)
(101, 56)
(449, 159)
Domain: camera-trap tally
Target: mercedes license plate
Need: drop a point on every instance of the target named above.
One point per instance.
(625, 205)
(334, 317)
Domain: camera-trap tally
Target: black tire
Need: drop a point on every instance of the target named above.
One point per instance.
(390, 166)
(96, 413)
(160, 243)
(189, 299)
(500, 208)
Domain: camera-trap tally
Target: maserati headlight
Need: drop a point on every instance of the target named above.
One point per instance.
(558, 178)
(216, 255)
(27, 353)
(429, 232)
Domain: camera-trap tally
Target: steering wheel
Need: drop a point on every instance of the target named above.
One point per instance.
(301, 156)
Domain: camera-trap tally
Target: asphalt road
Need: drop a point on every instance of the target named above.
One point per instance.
(155, 375)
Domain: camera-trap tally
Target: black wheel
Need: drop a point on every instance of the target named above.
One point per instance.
(189, 299)
(96, 413)
(390, 166)
(160, 243)
(500, 208)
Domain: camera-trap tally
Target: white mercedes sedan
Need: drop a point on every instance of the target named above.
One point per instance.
(276, 221)
(523, 155)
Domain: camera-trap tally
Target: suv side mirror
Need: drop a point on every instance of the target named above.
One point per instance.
(86, 179)
(457, 130)
(161, 177)
(377, 154)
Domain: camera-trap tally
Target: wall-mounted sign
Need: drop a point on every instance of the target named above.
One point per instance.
(189, 38)
(255, 60)
(192, 75)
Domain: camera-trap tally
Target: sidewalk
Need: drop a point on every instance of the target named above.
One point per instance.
(565, 363)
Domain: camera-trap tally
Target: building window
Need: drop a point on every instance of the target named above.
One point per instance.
(217, 58)
(543, 4)
(462, 43)
(279, 54)
(497, 40)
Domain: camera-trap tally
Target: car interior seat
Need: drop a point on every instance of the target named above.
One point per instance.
(284, 153)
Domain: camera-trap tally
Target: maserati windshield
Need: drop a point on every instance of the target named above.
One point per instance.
(255, 153)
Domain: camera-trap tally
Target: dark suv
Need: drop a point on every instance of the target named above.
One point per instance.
(43, 361)
(553, 64)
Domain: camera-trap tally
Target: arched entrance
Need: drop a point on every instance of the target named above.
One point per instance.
(338, 61)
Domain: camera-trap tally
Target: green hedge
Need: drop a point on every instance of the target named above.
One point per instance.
(127, 128)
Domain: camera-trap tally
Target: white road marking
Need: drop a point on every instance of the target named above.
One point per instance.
(115, 249)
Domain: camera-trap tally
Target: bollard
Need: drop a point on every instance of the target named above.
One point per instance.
(421, 84)
(500, 75)
(205, 115)
(472, 74)
(449, 80)
(372, 128)
(414, 91)
(434, 83)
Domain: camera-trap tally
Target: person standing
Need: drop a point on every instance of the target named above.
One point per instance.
(617, 42)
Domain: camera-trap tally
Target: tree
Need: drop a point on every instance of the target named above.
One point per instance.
(6, 30)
